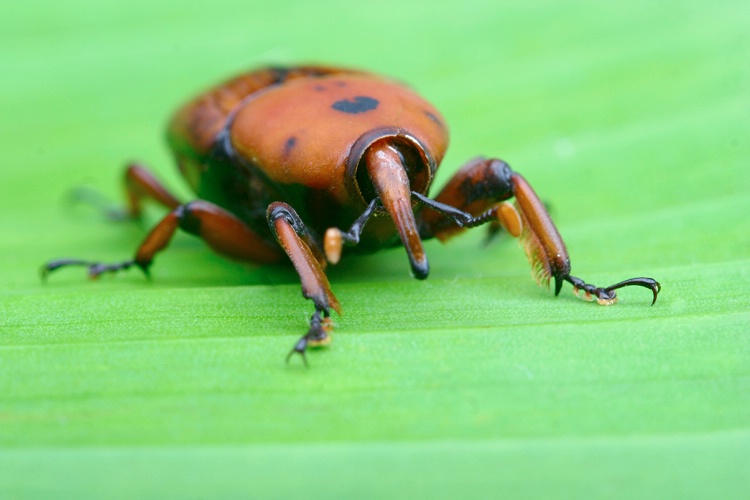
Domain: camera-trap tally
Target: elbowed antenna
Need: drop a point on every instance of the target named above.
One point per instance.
(391, 183)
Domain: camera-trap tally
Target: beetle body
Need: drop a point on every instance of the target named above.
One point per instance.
(301, 140)
(281, 158)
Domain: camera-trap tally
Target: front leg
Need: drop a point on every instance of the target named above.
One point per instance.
(309, 263)
(473, 197)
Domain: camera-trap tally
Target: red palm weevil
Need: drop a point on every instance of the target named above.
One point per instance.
(282, 158)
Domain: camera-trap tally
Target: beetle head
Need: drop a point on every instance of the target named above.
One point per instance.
(418, 162)
(392, 185)
(390, 164)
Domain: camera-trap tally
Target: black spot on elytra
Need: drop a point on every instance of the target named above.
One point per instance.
(360, 104)
(289, 145)
(434, 118)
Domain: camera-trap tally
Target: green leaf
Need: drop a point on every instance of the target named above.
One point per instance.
(631, 121)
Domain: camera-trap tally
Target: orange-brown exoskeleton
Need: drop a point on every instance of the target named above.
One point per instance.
(282, 158)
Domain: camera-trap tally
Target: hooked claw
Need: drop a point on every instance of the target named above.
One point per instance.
(607, 295)
(649, 283)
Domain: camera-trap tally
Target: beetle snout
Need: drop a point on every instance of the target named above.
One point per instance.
(391, 182)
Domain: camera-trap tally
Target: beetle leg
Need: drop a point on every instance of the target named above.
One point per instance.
(473, 197)
(141, 184)
(220, 229)
(294, 238)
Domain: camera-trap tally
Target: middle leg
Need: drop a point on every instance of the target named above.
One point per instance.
(221, 230)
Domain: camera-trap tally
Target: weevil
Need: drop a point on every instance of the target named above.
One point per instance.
(282, 158)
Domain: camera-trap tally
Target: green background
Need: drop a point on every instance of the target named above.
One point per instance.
(631, 119)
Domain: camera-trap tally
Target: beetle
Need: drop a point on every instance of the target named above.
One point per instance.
(282, 158)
